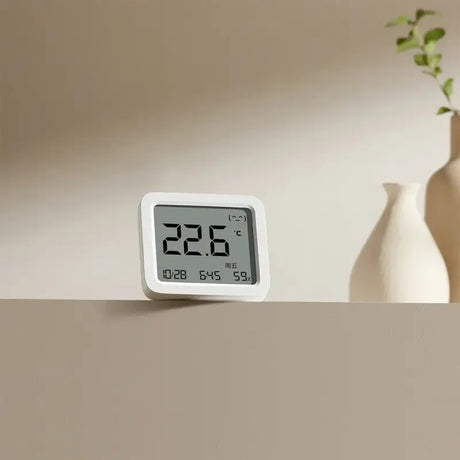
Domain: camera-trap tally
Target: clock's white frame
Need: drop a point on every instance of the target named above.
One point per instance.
(155, 288)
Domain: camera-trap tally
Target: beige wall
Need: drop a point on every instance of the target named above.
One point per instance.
(302, 103)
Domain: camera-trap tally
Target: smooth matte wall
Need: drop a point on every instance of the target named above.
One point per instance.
(301, 103)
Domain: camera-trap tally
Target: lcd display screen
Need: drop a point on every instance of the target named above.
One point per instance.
(205, 244)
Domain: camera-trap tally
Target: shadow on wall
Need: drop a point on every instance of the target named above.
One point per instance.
(85, 67)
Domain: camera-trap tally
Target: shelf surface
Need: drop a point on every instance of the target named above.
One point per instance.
(175, 380)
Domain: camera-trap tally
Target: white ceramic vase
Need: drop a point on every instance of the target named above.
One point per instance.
(400, 261)
(443, 209)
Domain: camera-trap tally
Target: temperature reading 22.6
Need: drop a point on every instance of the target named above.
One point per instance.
(185, 237)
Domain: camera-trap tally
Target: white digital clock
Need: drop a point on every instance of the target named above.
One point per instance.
(203, 246)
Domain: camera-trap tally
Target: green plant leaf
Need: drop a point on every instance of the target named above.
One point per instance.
(433, 73)
(442, 110)
(448, 88)
(420, 13)
(421, 59)
(430, 47)
(434, 35)
(399, 20)
(433, 60)
(404, 44)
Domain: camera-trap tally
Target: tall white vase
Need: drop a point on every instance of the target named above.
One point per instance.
(400, 261)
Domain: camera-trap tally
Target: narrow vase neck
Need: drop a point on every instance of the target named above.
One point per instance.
(454, 137)
(401, 192)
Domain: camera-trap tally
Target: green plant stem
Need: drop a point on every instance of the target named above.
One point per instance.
(422, 47)
(451, 107)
